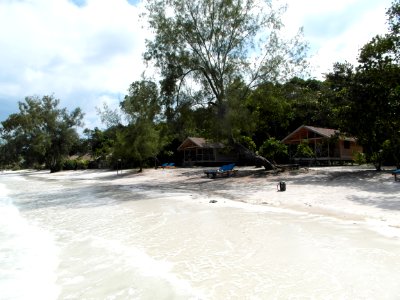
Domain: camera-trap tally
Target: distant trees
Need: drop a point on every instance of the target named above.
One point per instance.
(98, 143)
(41, 133)
(225, 74)
(369, 95)
(276, 109)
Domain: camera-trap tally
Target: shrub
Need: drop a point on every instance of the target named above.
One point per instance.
(304, 150)
(69, 164)
(360, 158)
(75, 164)
(274, 149)
(82, 164)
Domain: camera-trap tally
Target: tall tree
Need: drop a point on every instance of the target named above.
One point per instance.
(141, 139)
(370, 93)
(209, 44)
(41, 132)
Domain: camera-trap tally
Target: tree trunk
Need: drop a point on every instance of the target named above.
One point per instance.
(257, 159)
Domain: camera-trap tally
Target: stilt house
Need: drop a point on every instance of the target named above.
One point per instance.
(328, 145)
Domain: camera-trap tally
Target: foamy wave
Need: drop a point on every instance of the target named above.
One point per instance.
(28, 258)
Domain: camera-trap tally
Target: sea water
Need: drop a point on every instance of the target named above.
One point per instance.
(28, 256)
(87, 239)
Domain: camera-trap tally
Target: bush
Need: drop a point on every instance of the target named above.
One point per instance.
(75, 164)
(69, 164)
(304, 150)
(82, 164)
(274, 149)
(359, 158)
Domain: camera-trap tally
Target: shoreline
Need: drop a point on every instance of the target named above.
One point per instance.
(357, 194)
(93, 234)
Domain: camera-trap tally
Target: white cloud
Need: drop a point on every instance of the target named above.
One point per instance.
(90, 53)
(336, 30)
(57, 47)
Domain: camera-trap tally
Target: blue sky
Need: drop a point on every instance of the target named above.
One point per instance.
(87, 52)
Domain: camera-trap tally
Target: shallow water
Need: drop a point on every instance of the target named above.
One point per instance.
(87, 239)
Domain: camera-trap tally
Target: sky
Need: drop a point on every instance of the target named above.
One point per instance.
(87, 52)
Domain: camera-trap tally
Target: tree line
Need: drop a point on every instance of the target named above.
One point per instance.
(223, 73)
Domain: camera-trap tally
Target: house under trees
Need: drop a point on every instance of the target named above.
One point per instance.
(328, 145)
(199, 151)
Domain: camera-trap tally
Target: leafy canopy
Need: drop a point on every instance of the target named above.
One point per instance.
(140, 139)
(207, 45)
(41, 132)
(370, 93)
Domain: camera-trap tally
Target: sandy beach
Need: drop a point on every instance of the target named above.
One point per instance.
(353, 193)
(176, 234)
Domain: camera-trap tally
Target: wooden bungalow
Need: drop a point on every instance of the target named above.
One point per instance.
(329, 145)
(199, 151)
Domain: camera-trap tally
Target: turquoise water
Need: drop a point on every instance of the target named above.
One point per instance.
(89, 239)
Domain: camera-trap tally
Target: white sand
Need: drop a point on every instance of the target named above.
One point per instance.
(155, 235)
(353, 193)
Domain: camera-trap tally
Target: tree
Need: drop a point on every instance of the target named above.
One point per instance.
(41, 132)
(109, 117)
(370, 106)
(142, 102)
(138, 142)
(270, 111)
(274, 149)
(141, 139)
(99, 143)
(207, 45)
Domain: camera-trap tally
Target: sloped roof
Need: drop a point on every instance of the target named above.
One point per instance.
(325, 132)
(198, 142)
(298, 134)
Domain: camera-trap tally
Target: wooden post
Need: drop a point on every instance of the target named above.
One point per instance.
(329, 155)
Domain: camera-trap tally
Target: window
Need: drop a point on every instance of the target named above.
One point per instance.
(208, 154)
(346, 144)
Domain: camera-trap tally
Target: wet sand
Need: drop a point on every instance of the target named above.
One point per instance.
(175, 234)
(354, 193)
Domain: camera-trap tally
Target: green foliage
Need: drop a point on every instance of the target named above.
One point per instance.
(137, 142)
(141, 139)
(304, 150)
(109, 117)
(213, 86)
(368, 96)
(75, 164)
(41, 132)
(248, 143)
(274, 149)
(376, 158)
(212, 43)
(99, 144)
(142, 102)
(360, 158)
(70, 164)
